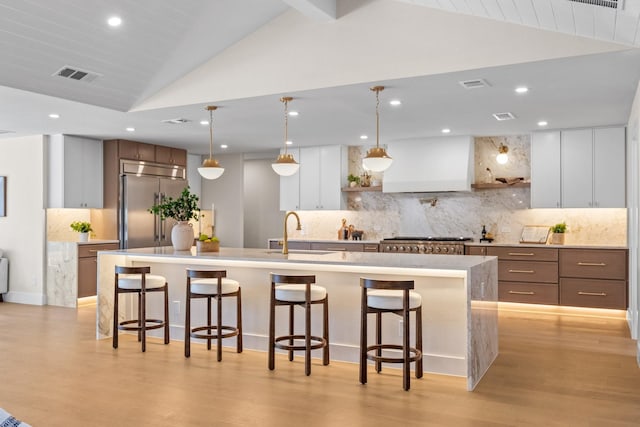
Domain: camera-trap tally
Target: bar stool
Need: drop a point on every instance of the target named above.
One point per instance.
(212, 284)
(298, 291)
(390, 296)
(138, 280)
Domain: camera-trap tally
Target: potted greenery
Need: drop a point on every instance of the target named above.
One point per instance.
(82, 227)
(181, 209)
(354, 180)
(558, 230)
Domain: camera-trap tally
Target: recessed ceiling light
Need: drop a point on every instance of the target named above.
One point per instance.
(54, 116)
(522, 89)
(293, 113)
(224, 146)
(204, 122)
(395, 102)
(364, 137)
(289, 142)
(446, 130)
(114, 21)
(130, 129)
(542, 123)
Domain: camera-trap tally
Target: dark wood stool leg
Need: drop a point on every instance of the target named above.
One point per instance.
(166, 314)
(187, 321)
(406, 364)
(272, 329)
(419, 368)
(142, 315)
(307, 338)
(139, 294)
(363, 338)
(325, 328)
(378, 340)
(115, 314)
(291, 328)
(239, 320)
(209, 322)
(219, 328)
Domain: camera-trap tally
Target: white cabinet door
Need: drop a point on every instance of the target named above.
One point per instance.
(331, 175)
(290, 187)
(609, 186)
(576, 156)
(545, 170)
(73, 173)
(310, 178)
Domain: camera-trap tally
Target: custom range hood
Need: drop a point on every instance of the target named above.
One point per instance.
(430, 165)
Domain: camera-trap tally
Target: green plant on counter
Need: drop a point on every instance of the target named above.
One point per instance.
(183, 208)
(81, 226)
(353, 178)
(559, 228)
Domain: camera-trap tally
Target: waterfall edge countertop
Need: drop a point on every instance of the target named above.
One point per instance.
(459, 296)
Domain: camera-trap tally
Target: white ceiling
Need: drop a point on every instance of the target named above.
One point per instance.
(161, 40)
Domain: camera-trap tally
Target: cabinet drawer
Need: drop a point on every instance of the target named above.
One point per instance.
(92, 250)
(533, 293)
(528, 271)
(594, 263)
(337, 246)
(522, 254)
(594, 293)
(475, 250)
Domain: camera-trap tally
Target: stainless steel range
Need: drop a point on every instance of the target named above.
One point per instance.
(425, 245)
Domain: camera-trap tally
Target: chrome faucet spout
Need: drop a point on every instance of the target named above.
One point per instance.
(285, 237)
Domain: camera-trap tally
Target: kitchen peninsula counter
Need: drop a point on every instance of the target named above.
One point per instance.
(460, 325)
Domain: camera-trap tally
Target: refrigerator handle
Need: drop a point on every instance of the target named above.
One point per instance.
(156, 201)
(162, 221)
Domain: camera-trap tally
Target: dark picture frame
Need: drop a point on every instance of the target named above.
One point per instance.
(3, 196)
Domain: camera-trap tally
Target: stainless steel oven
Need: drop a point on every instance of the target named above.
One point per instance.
(425, 245)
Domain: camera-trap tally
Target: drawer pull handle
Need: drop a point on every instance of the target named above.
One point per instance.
(593, 294)
(93, 250)
(592, 264)
(337, 249)
(522, 293)
(522, 271)
(521, 253)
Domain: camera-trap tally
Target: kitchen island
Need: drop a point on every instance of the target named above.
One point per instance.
(460, 317)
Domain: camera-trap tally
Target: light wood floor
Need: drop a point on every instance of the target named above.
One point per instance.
(553, 370)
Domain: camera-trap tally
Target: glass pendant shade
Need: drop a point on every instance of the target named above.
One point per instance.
(285, 165)
(377, 159)
(502, 157)
(210, 168)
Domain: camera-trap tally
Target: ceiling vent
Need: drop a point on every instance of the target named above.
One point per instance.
(503, 116)
(75, 73)
(178, 121)
(474, 84)
(5, 131)
(613, 4)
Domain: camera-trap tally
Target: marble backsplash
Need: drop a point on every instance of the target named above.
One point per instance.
(503, 211)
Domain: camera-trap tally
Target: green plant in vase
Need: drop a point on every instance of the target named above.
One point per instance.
(354, 180)
(558, 230)
(82, 227)
(181, 209)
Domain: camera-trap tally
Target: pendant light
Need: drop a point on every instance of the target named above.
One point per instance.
(502, 156)
(377, 159)
(285, 164)
(210, 168)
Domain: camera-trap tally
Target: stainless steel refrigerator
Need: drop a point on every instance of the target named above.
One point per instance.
(142, 186)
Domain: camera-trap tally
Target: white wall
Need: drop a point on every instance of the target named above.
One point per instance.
(262, 216)
(23, 230)
(226, 193)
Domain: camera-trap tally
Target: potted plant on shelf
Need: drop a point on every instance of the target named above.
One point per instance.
(181, 209)
(82, 227)
(558, 231)
(354, 180)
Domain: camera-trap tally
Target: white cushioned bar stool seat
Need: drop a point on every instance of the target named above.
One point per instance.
(387, 299)
(292, 291)
(396, 297)
(212, 284)
(129, 280)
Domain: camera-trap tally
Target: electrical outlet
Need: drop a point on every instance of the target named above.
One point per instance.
(400, 327)
(176, 308)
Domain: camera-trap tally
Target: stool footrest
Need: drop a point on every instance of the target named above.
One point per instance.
(414, 356)
(233, 331)
(155, 324)
(321, 342)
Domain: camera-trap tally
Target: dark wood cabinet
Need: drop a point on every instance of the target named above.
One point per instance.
(134, 150)
(88, 266)
(171, 156)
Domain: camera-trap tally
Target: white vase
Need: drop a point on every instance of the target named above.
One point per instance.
(83, 237)
(182, 236)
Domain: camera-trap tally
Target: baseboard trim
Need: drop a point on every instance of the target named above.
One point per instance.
(25, 298)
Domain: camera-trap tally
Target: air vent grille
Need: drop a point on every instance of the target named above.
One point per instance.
(5, 131)
(474, 84)
(75, 73)
(178, 121)
(613, 4)
(504, 116)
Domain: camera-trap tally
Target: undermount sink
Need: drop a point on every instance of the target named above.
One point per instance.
(298, 251)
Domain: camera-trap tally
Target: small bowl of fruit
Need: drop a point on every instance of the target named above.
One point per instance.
(207, 243)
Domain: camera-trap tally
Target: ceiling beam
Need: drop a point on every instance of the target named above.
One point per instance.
(319, 10)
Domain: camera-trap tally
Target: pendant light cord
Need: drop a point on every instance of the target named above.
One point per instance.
(210, 133)
(286, 122)
(377, 119)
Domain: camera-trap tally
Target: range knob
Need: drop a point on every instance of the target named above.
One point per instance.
(428, 249)
(394, 249)
(401, 249)
(445, 250)
(387, 248)
(421, 248)
(414, 249)
(437, 249)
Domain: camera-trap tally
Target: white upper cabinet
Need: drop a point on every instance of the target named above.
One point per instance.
(75, 172)
(545, 170)
(317, 185)
(578, 168)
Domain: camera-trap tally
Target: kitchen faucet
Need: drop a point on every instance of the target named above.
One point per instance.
(285, 243)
